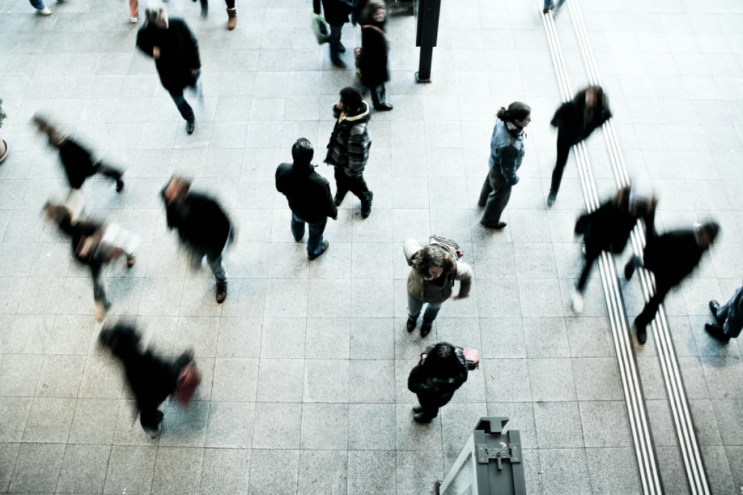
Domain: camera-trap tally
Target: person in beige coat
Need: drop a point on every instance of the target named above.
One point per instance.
(435, 268)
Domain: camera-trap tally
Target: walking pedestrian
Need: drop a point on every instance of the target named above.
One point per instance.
(431, 281)
(150, 378)
(671, 257)
(202, 225)
(40, 7)
(175, 50)
(309, 197)
(231, 12)
(550, 4)
(728, 318)
(373, 61)
(506, 154)
(441, 370)
(608, 228)
(348, 148)
(336, 15)
(94, 245)
(575, 121)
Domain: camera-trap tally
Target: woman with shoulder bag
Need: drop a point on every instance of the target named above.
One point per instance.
(435, 268)
(373, 63)
(440, 372)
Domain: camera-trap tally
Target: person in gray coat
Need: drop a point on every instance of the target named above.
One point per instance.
(507, 152)
(728, 317)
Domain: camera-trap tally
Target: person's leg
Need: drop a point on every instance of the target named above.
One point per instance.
(111, 173)
(432, 310)
(583, 280)
(204, 8)
(649, 311)
(37, 4)
(183, 107)
(374, 96)
(722, 312)
(231, 14)
(335, 45)
(563, 151)
(133, 9)
(314, 242)
(414, 307)
(150, 418)
(547, 5)
(487, 188)
(633, 264)
(218, 269)
(297, 227)
(497, 201)
(341, 185)
(732, 328)
(361, 190)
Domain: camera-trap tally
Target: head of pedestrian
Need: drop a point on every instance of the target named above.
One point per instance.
(55, 136)
(157, 14)
(442, 361)
(594, 96)
(176, 190)
(302, 154)
(351, 101)
(375, 12)
(639, 200)
(706, 234)
(516, 117)
(432, 262)
(57, 213)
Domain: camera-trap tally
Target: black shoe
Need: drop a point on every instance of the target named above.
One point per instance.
(190, 126)
(497, 226)
(717, 332)
(642, 334)
(366, 208)
(714, 306)
(544, 11)
(119, 185)
(325, 246)
(339, 63)
(341, 48)
(426, 329)
(418, 409)
(384, 107)
(221, 292)
(339, 199)
(422, 418)
(629, 269)
(204, 11)
(551, 199)
(411, 324)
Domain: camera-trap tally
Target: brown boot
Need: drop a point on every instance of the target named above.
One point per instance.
(232, 21)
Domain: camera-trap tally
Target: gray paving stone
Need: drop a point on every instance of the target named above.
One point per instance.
(558, 424)
(94, 421)
(565, 470)
(597, 379)
(371, 381)
(37, 467)
(84, 469)
(324, 426)
(552, 380)
(177, 470)
(613, 470)
(372, 472)
(225, 471)
(323, 471)
(230, 425)
(274, 471)
(276, 425)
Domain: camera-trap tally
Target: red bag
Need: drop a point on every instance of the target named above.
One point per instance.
(472, 357)
(188, 379)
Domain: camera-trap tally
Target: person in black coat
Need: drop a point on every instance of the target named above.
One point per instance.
(336, 15)
(373, 63)
(78, 162)
(671, 257)
(202, 225)
(175, 50)
(151, 379)
(309, 197)
(440, 372)
(575, 121)
(608, 228)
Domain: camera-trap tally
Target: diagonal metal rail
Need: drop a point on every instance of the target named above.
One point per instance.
(632, 387)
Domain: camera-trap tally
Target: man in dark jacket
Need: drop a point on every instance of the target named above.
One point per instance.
(202, 225)
(348, 148)
(176, 54)
(728, 318)
(151, 379)
(373, 62)
(336, 14)
(78, 162)
(575, 121)
(671, 257)
(440, 372)
(309, 197)
(608, 228)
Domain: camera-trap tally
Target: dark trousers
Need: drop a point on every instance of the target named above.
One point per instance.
(357, 185)
(205, 4)
(314, 243)
(563, 151)
(494, 197)
(182, 104)
(109, 172)
(150, 418)
(662, 287)
(732, 326)
(591, 257)
(378, 95)
(335, 42)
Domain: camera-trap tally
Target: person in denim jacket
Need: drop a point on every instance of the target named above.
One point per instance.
(507, 153)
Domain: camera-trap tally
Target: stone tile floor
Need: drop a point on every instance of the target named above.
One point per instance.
(306, 363)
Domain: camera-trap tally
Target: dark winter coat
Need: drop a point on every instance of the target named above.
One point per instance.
(672, 256)
(609, 227)
(373, 59)
(179, 53)
(78, 233)
(307, 191)
(335, 11)
(574, 124)
(349, 143)
(78, 163)
(201, 223)
(435, 391)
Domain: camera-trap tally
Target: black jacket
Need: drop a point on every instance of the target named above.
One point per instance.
(179, 53)
(336, 11)
(672, 256)
(434, 391)
(78, 163)
(201, 223)
(574, 125)
(307, 191)
(78, 233)
(373, 59)
(609, 227)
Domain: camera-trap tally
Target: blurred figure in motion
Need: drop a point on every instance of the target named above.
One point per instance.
(506, 155)
(431, 281)
(608, 229)
(575, 121)
(348, 148)
(151, 379)
(309, 197)
(176, 54)
(728, 318)
(550, 4)
(78, 163)
(373, 62)
(202, 225)
(40, 7)
(671, 257)
(336, 15)
(94, 245)
(231, 12)
(441, 371)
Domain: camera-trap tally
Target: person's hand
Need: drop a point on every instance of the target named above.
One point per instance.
(458, 296)
(339, 106)
(156, 52)
(335, 217)
(194, 72)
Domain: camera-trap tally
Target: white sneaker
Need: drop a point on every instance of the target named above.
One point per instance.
(577, 302)
(133, 20)
(45, 11)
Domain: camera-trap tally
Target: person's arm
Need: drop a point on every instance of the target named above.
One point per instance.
(336, 111)
(332, 209)
(508, 157)
(145, 42)
(649, 219)
(410, 248)
(316, 6)
(419, 382)
(358, 146)
(464, 275)
(192, 48)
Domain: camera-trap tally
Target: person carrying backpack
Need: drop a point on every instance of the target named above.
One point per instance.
(435, 268)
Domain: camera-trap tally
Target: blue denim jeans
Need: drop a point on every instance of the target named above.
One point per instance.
(732, 326)
(335, 42)
(37, 4)
(180, 101)
(314, 243)
(415, 306)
